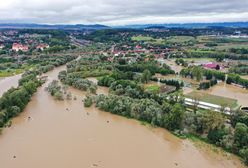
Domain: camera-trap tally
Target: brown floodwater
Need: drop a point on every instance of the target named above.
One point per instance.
(8, 82)
(78, 137)
(221, 89)
(173, 65)
(187, 89)
(244, 76)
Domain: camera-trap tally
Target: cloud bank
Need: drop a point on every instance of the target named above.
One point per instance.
(116, 12)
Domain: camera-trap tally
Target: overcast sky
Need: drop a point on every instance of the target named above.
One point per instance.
(122, 12)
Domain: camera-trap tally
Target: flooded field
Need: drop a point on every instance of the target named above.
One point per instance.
(244, 76)
(8, 82)
(230, 91)
(221, 89)
(173, 65)
(79, 137)
(190, 84)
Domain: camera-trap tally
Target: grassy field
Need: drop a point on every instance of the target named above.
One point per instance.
(172, 39)
(227, 46)
(204, 39)
(142, 38)
(201, 96)
(148, 39)
(10, 72)
(180, 39)
(244, 76)
(199, 59)
(152, 88)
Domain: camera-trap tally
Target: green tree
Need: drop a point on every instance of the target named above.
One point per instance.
(241, 135)
(88, 101)
(146, 76)
(213, 120)
(174, 119)
(244, 154)
(197, 72)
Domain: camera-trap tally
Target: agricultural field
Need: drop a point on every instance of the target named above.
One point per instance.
(244, 76)
(206, 39)
(180, 39)
(142, 38)
(227, 46)
(152, 88)
(11, 72)
(169, 40)
(148, 39)
(199, 59)
(219, 100)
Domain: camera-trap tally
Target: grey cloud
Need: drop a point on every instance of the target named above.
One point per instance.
(122, 12)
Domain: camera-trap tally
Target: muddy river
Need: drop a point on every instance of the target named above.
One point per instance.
(8, 82)
(81, 137)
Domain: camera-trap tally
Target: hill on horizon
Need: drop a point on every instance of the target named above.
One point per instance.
(48, 26)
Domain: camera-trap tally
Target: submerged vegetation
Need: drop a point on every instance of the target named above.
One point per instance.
(56, 90)
(79, 83)
(15, 100)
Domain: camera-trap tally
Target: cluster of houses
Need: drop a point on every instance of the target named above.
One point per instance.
(22, 42)
(22, 47)
(131, 55)
(19, 47)
(138, 49)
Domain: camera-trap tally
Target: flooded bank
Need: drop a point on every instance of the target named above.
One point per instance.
(46, 135)
(8, 82)
(245, 77)
(173, 65)
(230, 91)
(221, 89)
(190, 84)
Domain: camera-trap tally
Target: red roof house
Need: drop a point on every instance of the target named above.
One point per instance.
(42, 46)
(18, 47)
(212, 65)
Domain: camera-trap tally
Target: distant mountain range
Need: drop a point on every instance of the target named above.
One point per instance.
(46, 26)
(138, 26)
(188, 25)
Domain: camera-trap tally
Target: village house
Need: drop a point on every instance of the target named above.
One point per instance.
(138, 47)
(42, 46)
(11, 32)
(212, 65)
(1, 46)
(19, 47)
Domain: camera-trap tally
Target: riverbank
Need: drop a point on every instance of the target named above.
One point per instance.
(8, 82)
(15, 96)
